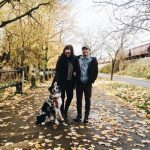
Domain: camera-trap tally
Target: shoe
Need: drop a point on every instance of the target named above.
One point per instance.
(65, 117)
(85, 121)
(77, 120)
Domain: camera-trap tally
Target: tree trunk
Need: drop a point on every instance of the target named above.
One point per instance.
(112, 69)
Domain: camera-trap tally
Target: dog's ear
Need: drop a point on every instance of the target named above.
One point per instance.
(55, 83)
(50, 89)
(59, 88)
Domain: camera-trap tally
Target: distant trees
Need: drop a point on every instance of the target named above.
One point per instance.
(33, 30)
(113, 45)
(93, 41)
(128, 17)
(110, 43)
(131, 14)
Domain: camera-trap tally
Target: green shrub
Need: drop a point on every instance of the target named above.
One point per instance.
(135, 69)
(106, 69)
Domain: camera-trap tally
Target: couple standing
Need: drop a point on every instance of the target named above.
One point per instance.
(76, 71)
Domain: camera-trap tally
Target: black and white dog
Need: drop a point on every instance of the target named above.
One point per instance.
(51, 107)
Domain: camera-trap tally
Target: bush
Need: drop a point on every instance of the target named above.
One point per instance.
(106, 69)
(135, 69)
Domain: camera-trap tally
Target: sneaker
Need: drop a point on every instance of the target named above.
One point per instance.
(85, 121)
(66, 117)
(77, 120)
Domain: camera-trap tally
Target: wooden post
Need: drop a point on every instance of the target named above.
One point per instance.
(33, 79)
(22, 79)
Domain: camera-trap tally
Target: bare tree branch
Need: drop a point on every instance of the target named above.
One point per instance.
(136, 13)
(133, 26)
(34, 19)
(2, 3)
(4, 23)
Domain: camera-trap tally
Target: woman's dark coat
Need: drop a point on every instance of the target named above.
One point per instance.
(62, 70)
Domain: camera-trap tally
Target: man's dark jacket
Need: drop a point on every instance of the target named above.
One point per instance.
(92, 70)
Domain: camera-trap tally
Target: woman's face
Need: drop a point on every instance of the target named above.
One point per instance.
(68, 52)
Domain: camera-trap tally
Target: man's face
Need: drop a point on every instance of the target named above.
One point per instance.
(85, 52)
(68, 52)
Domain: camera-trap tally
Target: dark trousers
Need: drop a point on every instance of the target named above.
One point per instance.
(87, 90)
(68, 90)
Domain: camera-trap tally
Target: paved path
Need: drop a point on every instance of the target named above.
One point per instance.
(113, 126)
(138, 82)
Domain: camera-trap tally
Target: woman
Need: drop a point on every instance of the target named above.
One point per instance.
(65, 76)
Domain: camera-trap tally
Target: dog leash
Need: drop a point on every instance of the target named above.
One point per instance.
(56, 102)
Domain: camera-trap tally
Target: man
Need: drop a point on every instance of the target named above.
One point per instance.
(87, 72)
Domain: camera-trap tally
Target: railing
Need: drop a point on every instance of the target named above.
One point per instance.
(43, 75)
(15, 78)
(12, 78)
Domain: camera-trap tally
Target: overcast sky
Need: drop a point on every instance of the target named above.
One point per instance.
(87, 17)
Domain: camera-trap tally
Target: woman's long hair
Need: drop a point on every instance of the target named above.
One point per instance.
(68, 47)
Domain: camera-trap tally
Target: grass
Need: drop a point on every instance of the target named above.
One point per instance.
(131, 68)
(106, 69)
(137, 96)
(136, 70)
